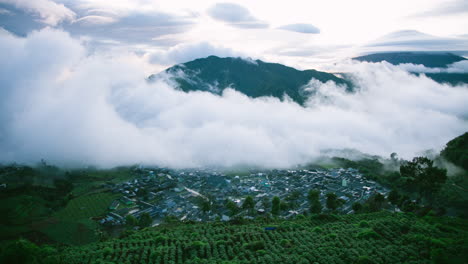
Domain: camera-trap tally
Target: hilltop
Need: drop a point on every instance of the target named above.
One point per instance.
(254, 78)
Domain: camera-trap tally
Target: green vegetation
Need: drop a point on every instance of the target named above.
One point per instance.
(456, 151)
(365, 238)
(77, 232)
(314, 201)
(275, 205)
(86, 206)
(333, 202)
(59, 215)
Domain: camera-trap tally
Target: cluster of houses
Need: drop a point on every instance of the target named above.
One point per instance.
(202, 194)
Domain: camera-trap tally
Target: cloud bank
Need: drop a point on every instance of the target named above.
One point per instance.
(71, 108)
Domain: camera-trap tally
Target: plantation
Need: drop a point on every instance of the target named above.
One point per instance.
(368, 238)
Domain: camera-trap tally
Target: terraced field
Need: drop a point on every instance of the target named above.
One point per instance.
(86, 206)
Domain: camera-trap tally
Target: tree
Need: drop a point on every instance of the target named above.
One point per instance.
(357, 207)
(421, 175)
(205, 204)
(20, 251)
(393, 197)
(456, 151)
(292, 199)
(275, 205)
(374, 203)
(145, 220)
(248, 203)
(333, 202)
(131, 221)
(314, 201)
(232, 207)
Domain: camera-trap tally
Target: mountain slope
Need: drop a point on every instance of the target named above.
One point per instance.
(456, 151)
(430, 60)
(253, 78)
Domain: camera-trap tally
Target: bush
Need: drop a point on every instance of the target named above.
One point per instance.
(255, 245)
(364, 224)
(368, 233)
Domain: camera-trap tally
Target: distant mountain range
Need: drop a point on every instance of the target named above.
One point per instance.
(254, 78)
(428, 59)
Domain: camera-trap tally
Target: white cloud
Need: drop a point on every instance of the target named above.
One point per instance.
(235, 15)
(457, 67)
(301, 28)
(50, 12)
(413, 40)
(70, 108)
(190, 51)
(95, 20)
(6, 12)
(453, 7)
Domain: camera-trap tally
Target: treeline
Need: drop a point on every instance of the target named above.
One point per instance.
(421, 184)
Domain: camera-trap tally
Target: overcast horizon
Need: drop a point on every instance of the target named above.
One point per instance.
(301, 34)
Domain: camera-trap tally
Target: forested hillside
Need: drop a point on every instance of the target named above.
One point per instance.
(254, 78)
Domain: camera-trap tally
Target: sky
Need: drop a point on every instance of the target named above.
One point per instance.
(74, 91)
(300, 33)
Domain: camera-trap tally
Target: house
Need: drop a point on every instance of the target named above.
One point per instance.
(114, 205)
(126, 200)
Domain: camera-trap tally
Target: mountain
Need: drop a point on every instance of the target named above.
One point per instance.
(254, 78)
(428, 59)
(450, 78)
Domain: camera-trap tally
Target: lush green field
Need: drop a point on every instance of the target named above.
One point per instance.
(72, 232)
(92, 180)
(86, 206)
(22, 209)
(368, 238)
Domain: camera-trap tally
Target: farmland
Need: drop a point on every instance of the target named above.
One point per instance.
(86, 206)
(368, 238)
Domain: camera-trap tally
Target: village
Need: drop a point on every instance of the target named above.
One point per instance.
(201, 195)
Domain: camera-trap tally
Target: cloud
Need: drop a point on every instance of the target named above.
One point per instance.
(301, 28)
(412, 40)
(135, 27)
(4, 11)
(50, 12)
(457, 67)
(18, 21)
(235, 15)
(71, 108)
(454, 7)
(190, 51)
(94, 20)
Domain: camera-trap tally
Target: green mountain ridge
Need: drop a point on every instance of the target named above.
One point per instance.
(428, 59)
(253, 78)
